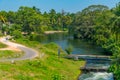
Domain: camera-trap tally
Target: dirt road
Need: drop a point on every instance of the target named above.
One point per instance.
(29, 53)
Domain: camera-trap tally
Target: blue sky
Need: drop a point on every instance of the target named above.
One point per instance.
(58, 5)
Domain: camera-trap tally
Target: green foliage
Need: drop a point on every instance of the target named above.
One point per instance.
(32, 37)
(116, 29)
(57, 77)
(51, 45)
(69, 49)
(23, 77)
(32, 20)
(85, 21)
(116, 10)
(2, 45)
(101, 26)
(10, 54)
(116, 71)
(15, 27)
(36, 64)
(27, 42)
(17, 34)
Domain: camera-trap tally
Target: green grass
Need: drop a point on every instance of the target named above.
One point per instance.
(2, 45)
(7, 54)
(50, 67)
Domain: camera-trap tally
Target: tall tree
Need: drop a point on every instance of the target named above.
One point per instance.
(29, 19)
(85, 21)
(116, 28)
(116, 10)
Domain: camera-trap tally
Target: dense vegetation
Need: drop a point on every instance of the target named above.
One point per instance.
(30, 20)
(100, 25)
(96, 23)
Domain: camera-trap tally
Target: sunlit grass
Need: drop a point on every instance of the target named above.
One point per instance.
(7, 54)
(49, 67)
(2, 45)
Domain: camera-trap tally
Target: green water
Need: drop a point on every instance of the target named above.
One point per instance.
(64, 40)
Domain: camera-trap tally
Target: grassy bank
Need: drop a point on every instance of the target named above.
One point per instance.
(48, 67)
(7, 54)
(2, 45)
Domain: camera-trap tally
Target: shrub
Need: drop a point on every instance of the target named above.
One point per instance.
(17, 34)
(69, 49)
(57, 77)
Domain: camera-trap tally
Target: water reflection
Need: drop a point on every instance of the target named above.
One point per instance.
(64, 40)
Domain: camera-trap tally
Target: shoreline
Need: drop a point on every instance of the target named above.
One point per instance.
(52, 32)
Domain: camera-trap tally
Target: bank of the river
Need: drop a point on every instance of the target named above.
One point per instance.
(2, 45)
(80, 48)
(49, 67)
(52, 32)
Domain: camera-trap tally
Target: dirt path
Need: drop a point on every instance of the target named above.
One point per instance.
(29, 53)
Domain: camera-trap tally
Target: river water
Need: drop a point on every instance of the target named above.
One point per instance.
(64, 40)
(80, 47)
(97, 75)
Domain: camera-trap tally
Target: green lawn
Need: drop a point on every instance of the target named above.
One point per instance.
(50, 67)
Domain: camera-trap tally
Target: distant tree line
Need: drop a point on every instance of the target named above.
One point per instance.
(32, 20)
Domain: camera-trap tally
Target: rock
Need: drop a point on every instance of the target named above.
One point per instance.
(75, 58)
(13, 62)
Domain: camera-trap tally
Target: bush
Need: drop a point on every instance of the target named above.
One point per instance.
(69, 49)
(17, 34)
(57, 77)
(115, 69)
